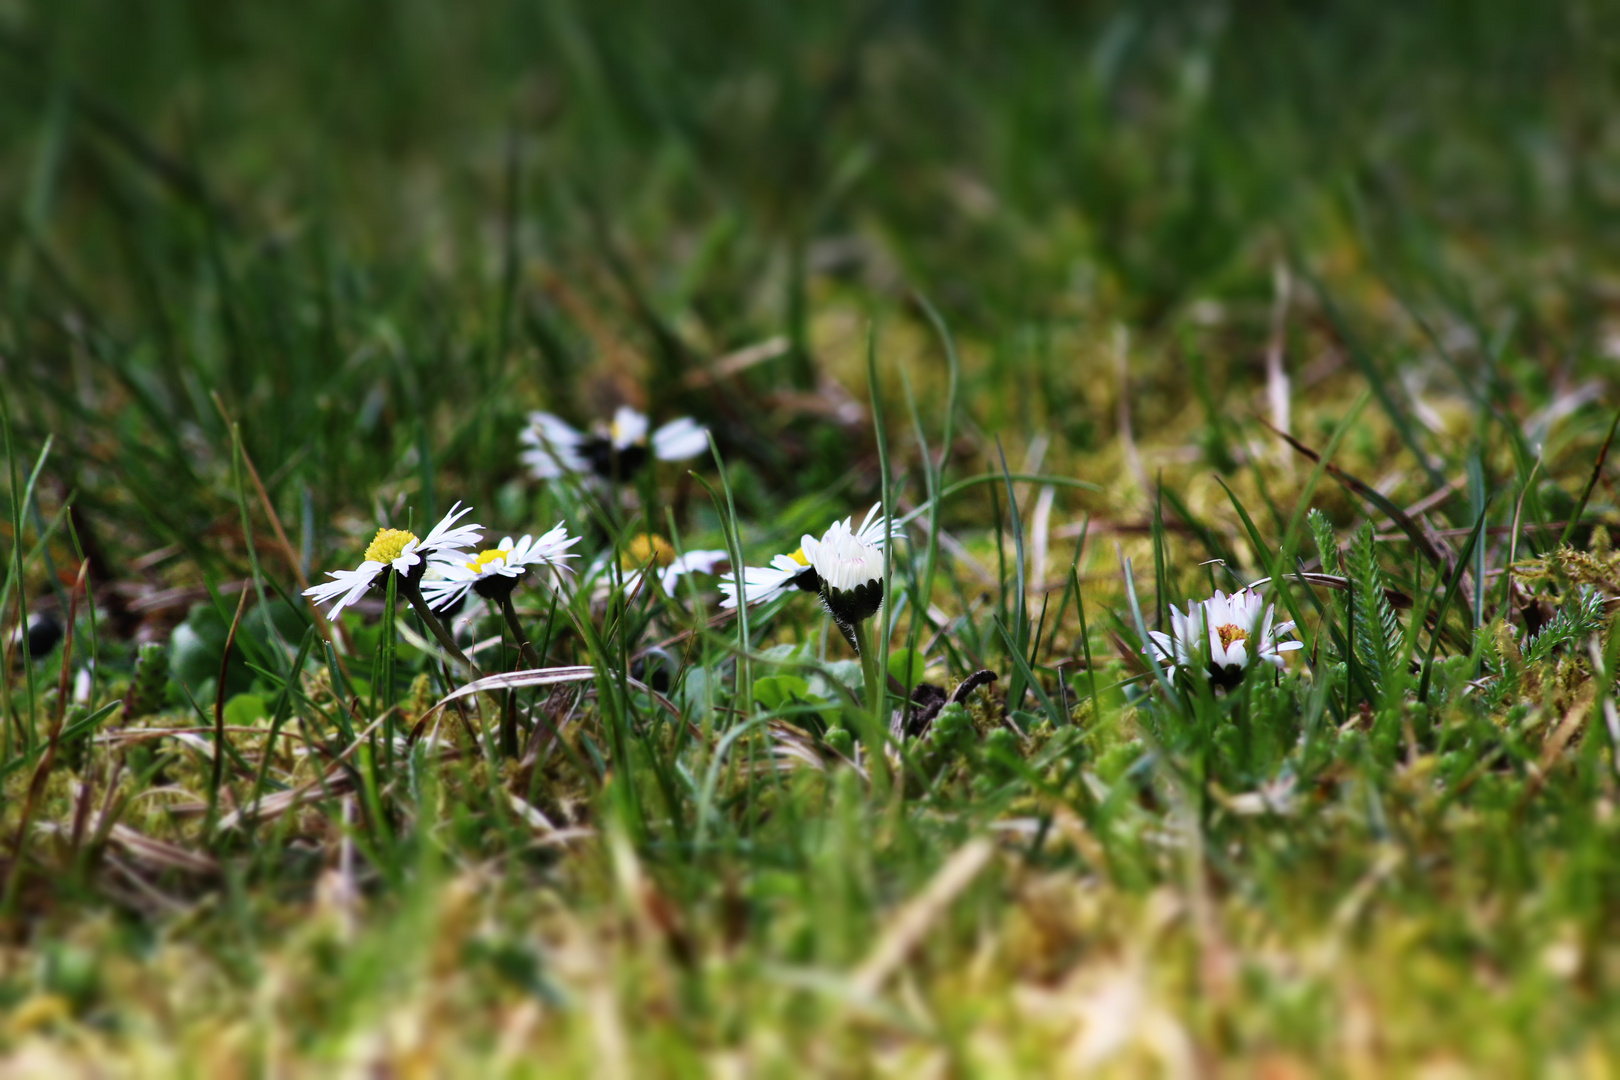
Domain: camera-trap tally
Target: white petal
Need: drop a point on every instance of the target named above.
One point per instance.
(788, 563)
(1215, 648)
(1161, 645)
(555, 447)
(680, 439)
(809, 547)
(871, 530)
(844, 561)
(444, 592)
(447, 534)
(550, 550)
(693, 562)
(408, 557)
(346, 586)
(761, 583)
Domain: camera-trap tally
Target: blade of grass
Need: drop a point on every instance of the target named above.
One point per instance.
(1591, 482)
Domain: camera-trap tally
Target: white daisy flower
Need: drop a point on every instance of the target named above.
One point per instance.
(655, 555)
(612, 451)
(1233, 630)
(400, 551)
(850, 567)
(494, 572)
(797, 571)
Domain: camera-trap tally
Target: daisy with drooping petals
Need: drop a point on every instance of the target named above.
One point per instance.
(399, 551)
(796, 571)
(1232, 629)
(612, 451)
(495, 572)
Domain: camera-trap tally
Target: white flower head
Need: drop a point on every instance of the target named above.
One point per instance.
(842, 559)
(797, 571)
(614, 450)
(494, 572)
(397, 550)
(1232, 629)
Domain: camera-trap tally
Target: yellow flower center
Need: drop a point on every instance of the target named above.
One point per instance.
(645, 548)
(482, 560)
(388, 545)
(1230, 633)
(798, 557)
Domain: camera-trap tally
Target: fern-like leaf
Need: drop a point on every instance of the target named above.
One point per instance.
(1377, 631)
(1572, 623)
(1327, 546)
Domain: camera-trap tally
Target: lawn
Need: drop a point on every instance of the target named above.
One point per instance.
(1163, 450)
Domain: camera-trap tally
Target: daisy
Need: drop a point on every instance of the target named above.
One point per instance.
(653, 554)
(795, 571)
(494, 572)
(396, 550)
(611, 451)
(850, 567)
(1233, 631)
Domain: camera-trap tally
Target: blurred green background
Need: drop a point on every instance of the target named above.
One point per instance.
(381, 231)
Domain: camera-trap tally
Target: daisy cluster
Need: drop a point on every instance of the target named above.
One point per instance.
(846, 565)
(444, 565)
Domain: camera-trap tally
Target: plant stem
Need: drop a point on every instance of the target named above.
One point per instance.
(530, 657)
(872, 675)
(413, 593)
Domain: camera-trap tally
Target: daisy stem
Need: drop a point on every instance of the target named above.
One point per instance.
(413, 593)
(873, 677)
(518, 634)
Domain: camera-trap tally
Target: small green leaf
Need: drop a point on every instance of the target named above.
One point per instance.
(244, 710)
(775, 691)
(906, 667)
